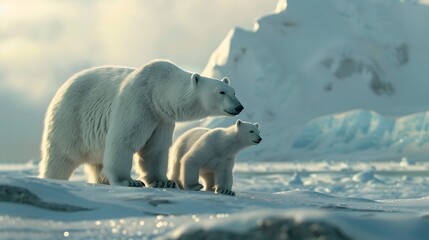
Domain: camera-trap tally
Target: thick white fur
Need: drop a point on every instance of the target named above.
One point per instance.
(210, 154)
(103, 116)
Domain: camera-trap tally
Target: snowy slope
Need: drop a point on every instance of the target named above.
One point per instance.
(317, 58)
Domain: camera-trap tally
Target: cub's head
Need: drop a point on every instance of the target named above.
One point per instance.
(248, 132)
(217, 97)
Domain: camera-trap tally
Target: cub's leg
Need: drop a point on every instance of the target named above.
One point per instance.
(174, 173)
(209, 181)
(189, 172)
(224, 182)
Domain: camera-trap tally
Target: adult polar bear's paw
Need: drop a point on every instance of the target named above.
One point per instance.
(225, 192)
(129, 183)
(163, 184)
(135, 183)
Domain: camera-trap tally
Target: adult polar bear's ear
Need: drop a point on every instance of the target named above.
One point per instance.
(225, 80)
(238, 122)
(257, 125)
(195, 78)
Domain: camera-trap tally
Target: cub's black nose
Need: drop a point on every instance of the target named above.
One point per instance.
(239, 108)
(260, 139)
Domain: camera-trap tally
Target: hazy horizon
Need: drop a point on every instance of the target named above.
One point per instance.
(44, 42)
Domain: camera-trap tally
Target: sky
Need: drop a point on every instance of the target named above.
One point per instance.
(43, 42)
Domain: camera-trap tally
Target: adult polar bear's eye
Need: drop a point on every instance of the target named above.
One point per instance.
(251, 131)
(222, 92)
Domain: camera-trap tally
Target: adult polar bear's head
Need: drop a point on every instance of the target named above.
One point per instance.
(248, 133)
(216, 97)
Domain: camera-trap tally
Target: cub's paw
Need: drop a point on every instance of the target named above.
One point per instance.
(225, 192)
(195, 187)
(164, 184)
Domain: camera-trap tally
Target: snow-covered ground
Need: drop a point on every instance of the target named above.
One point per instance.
(340, 90)
(358, 201)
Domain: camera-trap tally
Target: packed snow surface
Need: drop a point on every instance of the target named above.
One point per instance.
(364, 201)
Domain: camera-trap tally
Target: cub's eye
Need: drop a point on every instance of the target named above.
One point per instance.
(222, 92)
(252, 131)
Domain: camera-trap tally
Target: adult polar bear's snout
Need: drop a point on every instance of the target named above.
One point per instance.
(234, 107)
(215, 92)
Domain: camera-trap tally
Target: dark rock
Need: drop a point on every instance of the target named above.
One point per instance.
(19, 195)
(273, 228)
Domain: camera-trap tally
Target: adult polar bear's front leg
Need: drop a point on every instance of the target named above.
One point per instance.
(152, 162)
(121, 144)
(117, 164)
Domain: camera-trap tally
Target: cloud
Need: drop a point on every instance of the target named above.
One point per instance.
(43, 41)
(20, 130)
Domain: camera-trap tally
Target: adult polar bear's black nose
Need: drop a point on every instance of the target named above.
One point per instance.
(239, 109)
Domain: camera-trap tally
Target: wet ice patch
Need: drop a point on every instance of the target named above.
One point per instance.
(366, 176)
(296, 180)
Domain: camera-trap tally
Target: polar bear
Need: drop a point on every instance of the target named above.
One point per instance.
(104, 116)
(210, 154)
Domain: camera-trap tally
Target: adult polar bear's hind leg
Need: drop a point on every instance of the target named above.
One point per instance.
(61, 168)
(76, 121)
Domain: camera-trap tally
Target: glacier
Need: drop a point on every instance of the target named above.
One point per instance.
(363, 130)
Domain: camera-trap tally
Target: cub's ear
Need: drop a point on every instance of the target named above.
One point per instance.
(238, 122)
(195, 78)
(257, 125)
(225, 80)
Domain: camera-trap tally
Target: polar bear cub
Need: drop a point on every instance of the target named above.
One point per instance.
(210, 154)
